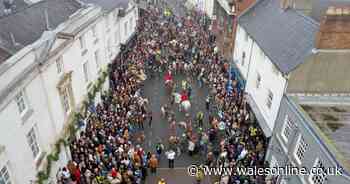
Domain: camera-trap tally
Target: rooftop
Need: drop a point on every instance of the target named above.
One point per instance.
(24, 27)
(109, 5)
(319, 7)
(334, 124)
(322, 73)
(16, 6)
(288, 36)
(335, 29)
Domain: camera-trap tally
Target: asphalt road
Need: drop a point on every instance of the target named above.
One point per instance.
(157, 95)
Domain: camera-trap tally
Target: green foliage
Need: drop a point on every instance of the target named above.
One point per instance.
(53, 157)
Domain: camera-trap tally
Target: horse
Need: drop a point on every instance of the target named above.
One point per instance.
(185, 105)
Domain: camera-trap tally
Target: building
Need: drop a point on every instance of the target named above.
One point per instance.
(10, 6)
(224, 26)
(312, 127)
(266, 52)
(311, 135)
(209, 8)
(51, 55)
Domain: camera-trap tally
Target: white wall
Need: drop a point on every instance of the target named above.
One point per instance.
(256, 62)
(209, 7)
(43, 98)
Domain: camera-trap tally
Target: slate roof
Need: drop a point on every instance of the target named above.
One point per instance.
(27, 25)
(109, 5)
(333, 124)
(324, 72)
(286, 37)
(17, 6)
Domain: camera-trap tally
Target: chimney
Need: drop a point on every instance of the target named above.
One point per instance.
(14, 43)
(285, 4)
(334, 30)
(7, 6)
(47, 21)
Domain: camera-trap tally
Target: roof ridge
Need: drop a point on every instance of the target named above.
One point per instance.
(31, 6)
(309, 19)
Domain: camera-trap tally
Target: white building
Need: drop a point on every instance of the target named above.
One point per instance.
(50, 55)
(271, 42)
(209, 7)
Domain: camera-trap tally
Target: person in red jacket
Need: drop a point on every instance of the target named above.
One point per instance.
(77, 175)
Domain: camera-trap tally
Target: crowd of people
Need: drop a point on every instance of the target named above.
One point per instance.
(108, 148)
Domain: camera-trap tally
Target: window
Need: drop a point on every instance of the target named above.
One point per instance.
(258, 81)
(33, 143)
(116, 16)
(269, 99)
(86, 71)
(82, 42)
(318, 177)
(301, 148)
(287, 128)
(243, 58)
(59, 64)
(283, 181)
(5, 176)
(65, 100)
(126, 28)
(21, 102)
(94, 31)
(97, 58)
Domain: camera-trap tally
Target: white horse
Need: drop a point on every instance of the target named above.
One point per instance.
(185, 105)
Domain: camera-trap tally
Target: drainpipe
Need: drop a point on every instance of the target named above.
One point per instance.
(250, 59)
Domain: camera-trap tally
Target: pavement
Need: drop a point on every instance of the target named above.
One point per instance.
(157, 95)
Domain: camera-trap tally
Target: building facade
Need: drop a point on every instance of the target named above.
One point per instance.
(312, 124)
(265, 57)
(299, 141)
(225, 24)
(48, 64)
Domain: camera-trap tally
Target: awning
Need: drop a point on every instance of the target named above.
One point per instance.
(259, 117)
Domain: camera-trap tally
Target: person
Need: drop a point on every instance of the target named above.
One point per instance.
(207, 103)
(153, 163)
(171, 158)
(65, 175)
(159, 149)
(191, 147)
(199, 175)
(200, 117)
(150, 119)
(189, 91)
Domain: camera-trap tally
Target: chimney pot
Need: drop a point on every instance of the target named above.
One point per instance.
(330, 10)
(338, 11)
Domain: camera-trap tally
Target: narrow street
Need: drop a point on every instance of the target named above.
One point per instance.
(155, 92)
